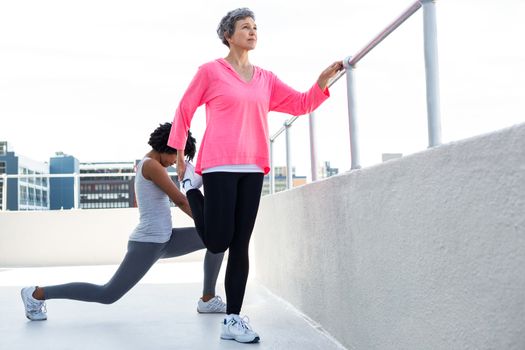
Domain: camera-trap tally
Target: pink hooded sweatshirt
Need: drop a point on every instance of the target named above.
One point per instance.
(236, 113)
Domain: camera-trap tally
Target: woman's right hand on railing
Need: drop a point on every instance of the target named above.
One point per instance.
(328, 73)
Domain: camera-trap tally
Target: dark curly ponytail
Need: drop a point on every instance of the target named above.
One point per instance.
(158, 140)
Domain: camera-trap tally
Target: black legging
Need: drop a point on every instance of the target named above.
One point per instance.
(225, 219)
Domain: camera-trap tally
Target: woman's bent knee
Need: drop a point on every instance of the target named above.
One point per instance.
(218, 248)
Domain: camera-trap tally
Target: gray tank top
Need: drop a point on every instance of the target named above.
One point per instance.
(154, 209)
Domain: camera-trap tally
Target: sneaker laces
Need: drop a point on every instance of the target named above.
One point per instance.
(216, 303)
(243, 323)
(44, 307)
(37, 305)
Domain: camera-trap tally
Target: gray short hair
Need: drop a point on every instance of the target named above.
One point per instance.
(227, 24)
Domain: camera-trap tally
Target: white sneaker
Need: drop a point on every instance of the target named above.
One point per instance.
(35, 309)
(191, 179)
(237, 328)
(213, 306)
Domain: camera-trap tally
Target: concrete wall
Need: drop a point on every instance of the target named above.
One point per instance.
(72, 237)
(424, 252)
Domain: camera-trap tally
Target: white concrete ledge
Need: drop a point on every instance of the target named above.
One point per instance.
(423, 252)
(72, 237)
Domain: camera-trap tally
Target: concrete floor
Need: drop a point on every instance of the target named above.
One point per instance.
(159, 313)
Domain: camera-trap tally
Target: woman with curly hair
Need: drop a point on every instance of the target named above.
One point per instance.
(153, 238)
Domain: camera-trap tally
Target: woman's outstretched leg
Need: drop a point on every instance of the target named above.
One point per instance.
(138, 260)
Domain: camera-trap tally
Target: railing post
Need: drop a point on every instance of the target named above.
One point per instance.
(48, 198)
(76, 190)
(289, 183)
(313, 147)
(272, 173)
(4, 192)
(432, 72)
(352, 118)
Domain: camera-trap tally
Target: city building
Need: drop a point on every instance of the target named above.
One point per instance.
(106, 188)
(62, 189)
(3, 171)
(280, 180)
(71, 185)
(30, 191)
(326, 171)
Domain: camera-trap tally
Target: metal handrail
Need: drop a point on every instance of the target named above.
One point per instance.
(4, 183)
(24, 176)
(286, 124)
(380, 37)
(352, 60)
(431, 68)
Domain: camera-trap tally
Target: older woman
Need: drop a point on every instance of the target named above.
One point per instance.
(233, 156)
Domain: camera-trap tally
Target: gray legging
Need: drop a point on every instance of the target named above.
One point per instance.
(138, 260)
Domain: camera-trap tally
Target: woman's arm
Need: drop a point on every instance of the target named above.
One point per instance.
(194, 97)
(181, 165)
(287, 100)
(154, 171)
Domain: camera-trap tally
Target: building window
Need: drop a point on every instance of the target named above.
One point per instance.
(38, 180)
(31, 179)
(38, 197)
(2, 167)
(31, 196)
(23, 195)
(3, 148)
(22, 171)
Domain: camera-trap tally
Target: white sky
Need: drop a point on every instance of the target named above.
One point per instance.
(94, 78)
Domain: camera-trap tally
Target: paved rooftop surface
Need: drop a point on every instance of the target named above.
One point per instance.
(159, 313)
